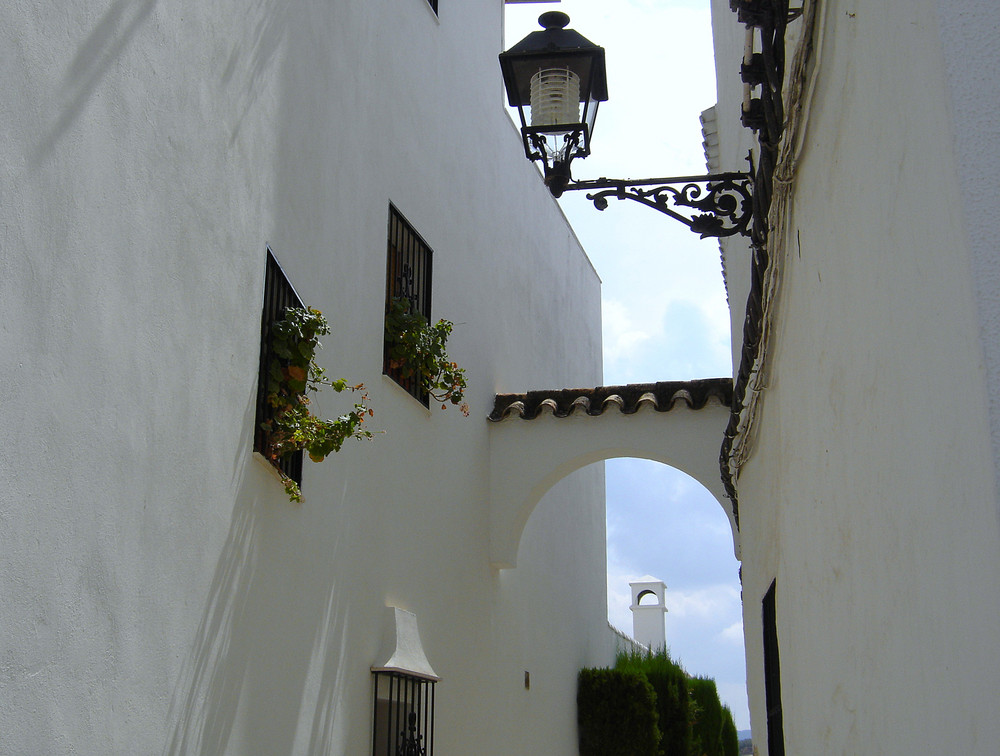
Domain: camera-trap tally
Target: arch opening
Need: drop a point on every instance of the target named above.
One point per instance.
(527, 457)
(663, 524)
(518, 497)
(648, 598)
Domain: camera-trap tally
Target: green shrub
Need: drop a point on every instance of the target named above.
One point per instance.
(616, 714)
(673, 708)
(292, 374)
(730, 737)
(417, 350)
(707, 730)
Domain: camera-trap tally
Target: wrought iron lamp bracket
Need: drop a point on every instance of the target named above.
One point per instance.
(717, 205)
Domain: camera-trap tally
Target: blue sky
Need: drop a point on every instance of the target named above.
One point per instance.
(665, 315)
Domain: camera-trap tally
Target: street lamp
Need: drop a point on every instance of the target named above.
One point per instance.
(556, 79)
(559, 76)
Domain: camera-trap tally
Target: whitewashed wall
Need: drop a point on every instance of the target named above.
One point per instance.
(871, 495)
(158, 592)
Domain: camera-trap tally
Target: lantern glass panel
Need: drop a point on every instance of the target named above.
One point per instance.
(555, 97)
(555, 79)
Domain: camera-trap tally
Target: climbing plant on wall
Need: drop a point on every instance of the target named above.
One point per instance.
(292, 375)
(418, 349)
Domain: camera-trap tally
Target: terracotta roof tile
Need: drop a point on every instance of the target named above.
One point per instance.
(662, 397)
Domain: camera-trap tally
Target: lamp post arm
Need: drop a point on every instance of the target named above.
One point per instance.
(719, 204)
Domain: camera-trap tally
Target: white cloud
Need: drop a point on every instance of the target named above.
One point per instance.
(713, 603)
(733, 634)
(623, 335)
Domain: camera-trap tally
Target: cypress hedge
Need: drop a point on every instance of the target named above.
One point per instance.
(616, 714)
(707, 729)
(730, 737)
(648, 706)
(672, 697)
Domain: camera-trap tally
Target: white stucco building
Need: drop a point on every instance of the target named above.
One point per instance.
(158, 592)
(867, 454)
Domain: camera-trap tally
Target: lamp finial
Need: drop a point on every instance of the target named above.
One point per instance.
(553, 20)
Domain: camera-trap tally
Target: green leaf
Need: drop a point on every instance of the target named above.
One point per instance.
(290, 377)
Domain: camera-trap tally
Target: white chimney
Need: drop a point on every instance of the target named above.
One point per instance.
(648, 613)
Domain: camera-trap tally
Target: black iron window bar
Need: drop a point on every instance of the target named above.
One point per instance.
(408, 276)
(404, 715)
(278, 296)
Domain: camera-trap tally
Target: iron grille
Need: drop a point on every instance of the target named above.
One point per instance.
(772, 678)
(278, 296)
(404, 715)
(408, 275)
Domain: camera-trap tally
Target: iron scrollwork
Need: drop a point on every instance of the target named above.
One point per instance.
(410, 740)
(722, 203)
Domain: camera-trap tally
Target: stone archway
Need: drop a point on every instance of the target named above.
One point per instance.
(540, 437)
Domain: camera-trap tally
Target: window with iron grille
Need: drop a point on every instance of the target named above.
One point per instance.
(408, 276)
(278, 296)
(404, 715)
(772, 678)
